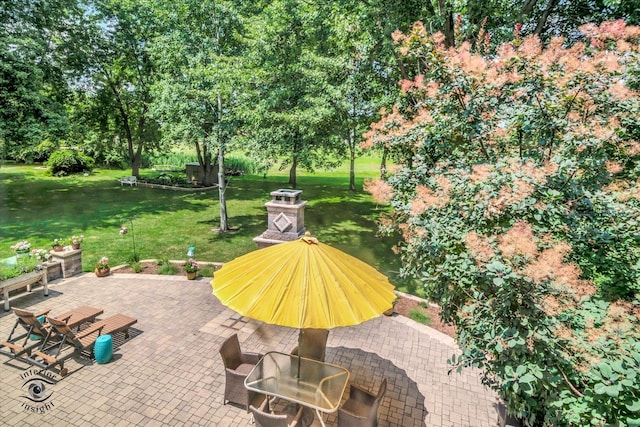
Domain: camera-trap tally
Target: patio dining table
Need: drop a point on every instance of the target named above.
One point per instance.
(311, 383)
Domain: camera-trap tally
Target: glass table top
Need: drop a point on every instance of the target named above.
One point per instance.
(311, 383)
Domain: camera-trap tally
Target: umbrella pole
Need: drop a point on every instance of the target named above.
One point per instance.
(299, 343)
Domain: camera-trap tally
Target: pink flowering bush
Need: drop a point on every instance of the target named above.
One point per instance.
(103, 264)
(191, 266)
(518, 198)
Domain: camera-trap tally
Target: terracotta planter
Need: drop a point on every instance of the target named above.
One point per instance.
(191, 275)
(75, 246)
(103, 273)
(58, 248)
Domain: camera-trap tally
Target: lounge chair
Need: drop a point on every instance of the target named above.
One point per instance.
(361, 409)
(28, 321)
(72, 344)
(237, 365)
(264, 418)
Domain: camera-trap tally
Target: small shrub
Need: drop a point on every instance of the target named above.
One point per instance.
(168, 269)
(136, 267)
(65, 162)
(206, 271)
(419, 316)
(134, 258)
(162, 261)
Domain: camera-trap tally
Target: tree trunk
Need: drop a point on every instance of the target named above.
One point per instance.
(383, 164)
(545, 15)
(352, 160)
(222, 185)
(292, 171)
(447, 18)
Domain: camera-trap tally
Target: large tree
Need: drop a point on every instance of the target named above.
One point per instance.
(369, 68)
(108, 46)
(289, 114)
(200, 71)
(32, 85)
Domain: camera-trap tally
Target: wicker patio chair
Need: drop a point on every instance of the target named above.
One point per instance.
(237, 365)
(264, 418)
(361, 409)
(312, 344)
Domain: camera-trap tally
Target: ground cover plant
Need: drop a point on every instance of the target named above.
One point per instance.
(165, 223)
(518, 200)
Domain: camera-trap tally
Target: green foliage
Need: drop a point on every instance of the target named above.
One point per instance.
(136, 267)
(168, 269)
(65, 162)
(518, 202)
(174, 161)
(165, 178)
(25, 264)
(207, 271)
(420, 316)
(234, 166)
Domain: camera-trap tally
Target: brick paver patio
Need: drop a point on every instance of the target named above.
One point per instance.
(170, 373)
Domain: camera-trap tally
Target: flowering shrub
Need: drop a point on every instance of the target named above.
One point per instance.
(191, 266)
(41, 255)
(517, 197)
(103, 264)
(22, 246)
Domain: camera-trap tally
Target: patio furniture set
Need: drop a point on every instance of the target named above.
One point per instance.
(48, 341)
(313, 287)
(254, 381)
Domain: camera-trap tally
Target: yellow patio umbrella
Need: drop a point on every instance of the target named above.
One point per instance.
(303, 284)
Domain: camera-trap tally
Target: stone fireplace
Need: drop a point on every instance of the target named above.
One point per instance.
(285, 218)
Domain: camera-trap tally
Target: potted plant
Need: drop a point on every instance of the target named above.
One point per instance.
(191, 268)
(390, 311)
(75, 241)
(21, 248)
(58, 245)
(102, 267)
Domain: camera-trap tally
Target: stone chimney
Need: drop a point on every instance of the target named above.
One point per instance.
(285, 218)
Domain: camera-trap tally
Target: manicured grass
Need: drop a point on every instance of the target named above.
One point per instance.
(164, 223)
(420, 316)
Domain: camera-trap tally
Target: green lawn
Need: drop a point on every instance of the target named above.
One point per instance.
(39, 208)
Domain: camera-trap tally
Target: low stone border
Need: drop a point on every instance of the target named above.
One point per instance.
(170, 187)
(215, 265)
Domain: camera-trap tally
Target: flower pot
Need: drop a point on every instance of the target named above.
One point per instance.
(191, 275)
(75, 246)
(58, 248)
(103, 273)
